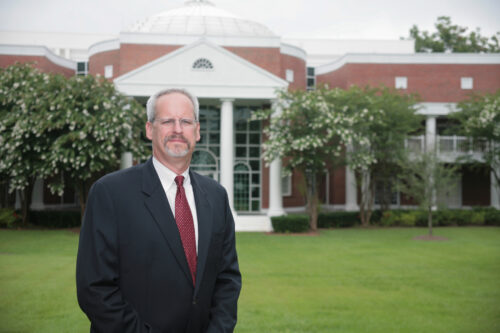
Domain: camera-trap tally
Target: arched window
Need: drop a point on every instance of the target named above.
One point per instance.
(203, 64)
(205, 163)
(242, 187)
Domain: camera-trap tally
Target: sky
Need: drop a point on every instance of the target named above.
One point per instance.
(346, 19)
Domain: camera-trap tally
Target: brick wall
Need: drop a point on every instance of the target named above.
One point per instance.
(433, 82)
(40, 62)
(299, 71)
(133, 56)
(98, 61)
(267, 58)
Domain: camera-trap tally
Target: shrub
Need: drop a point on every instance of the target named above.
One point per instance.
(389, 218)
(338, 219)
(408, 219)
(491, 216)
(445, 217)
(463, 217)
(8, 218)
(290, 223)
(55, 218)
(477, 218)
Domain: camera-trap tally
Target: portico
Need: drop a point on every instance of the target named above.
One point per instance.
(228, 88)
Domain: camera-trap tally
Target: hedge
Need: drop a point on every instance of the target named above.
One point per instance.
(338, 219)
(290, 223)
(391, 218)
(55, 218)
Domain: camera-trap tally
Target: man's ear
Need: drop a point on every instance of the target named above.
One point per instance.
(149, 130)
(198, 137)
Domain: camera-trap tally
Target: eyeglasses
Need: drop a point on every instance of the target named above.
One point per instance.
(170, 122)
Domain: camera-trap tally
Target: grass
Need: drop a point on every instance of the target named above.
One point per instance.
(348, 280)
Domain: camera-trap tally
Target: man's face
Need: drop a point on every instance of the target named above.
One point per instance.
(174, 132)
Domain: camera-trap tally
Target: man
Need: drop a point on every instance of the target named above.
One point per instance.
(157, 251)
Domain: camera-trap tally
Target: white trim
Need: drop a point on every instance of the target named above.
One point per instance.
(164, 39)
(436, 109)
(293, 51)
(34, 50)
(106, 45)
(252, 222)
(418, 58)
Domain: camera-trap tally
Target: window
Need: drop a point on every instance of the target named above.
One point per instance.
(289, 75)
(108, 71)
(203, 64)
(311, 78)
(466, 83)
(401, 82)
(82, 68)
(286, 186)
(247, 180)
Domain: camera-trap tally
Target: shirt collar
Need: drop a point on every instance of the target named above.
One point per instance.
(167, 176)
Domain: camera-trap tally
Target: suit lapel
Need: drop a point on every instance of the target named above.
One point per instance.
(157, 203)
(204, 215)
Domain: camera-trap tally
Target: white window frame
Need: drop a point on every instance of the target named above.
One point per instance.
(286, 186)
(108, 71)
(289, 75)
(401, 82)
(466, 83)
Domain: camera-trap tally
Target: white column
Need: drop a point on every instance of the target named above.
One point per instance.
(275, 180)
(430, 146)
(495, 191)
(351, 191)
(430, 134)
(126, 160)
(37, 195)
(227, 148)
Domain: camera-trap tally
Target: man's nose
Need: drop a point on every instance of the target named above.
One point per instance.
(177, 126)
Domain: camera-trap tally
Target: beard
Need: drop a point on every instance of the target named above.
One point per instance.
(176, 152)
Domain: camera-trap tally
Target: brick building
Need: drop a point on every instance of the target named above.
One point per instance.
(235, 65)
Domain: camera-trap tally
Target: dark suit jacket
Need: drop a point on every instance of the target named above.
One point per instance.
(132, 274)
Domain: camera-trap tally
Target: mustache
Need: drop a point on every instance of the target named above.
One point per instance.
(176, 137)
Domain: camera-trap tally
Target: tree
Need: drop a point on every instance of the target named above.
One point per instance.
(24, 94)
(479, 118)
(453, 38)
(423, 175)
(311, 133)
(93, 125)
(56, 128)
(392, 117)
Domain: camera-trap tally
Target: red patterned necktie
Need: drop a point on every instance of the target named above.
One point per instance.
(185, 224)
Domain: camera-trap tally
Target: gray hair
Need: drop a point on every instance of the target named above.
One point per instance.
(151, 104)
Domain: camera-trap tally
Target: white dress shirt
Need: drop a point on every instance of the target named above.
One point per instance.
(167, 178)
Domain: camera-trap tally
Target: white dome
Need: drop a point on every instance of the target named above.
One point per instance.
(200, 18)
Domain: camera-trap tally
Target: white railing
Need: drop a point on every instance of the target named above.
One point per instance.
(415, 144)
(458, 145)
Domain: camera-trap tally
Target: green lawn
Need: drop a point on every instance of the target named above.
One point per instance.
(348, 280)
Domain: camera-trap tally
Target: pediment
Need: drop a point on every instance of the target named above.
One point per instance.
(208, 70)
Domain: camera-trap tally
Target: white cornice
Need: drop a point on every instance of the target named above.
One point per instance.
(436, 109)
(163, 39)
(36, 50)
(418, 58)
(293, 51)
(107, 45)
